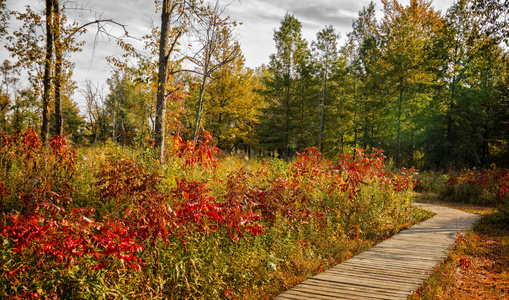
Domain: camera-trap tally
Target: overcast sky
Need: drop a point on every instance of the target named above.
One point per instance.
(259, 19)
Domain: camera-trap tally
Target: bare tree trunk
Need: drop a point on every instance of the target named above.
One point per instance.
(322, 113)
(214, 40)
(398, 130)
(287, 123)
(163, 78)
(199, 111)
(342, 143)
(123, 135)
(47, 73)
(59, 123)
(355, 142)
(114, 131)
(449, 119)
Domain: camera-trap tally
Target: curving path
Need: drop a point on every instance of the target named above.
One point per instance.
(394, 268)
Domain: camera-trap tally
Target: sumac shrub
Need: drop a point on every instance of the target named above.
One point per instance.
(484, 186)
(199, 211)
(202, 153)
(26, 164)
(54, 251)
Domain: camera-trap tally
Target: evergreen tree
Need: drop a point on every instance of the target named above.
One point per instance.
(330, 74)
(286, 69)
(363, 51)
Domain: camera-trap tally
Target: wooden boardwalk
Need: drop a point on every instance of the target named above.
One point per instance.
(392, 269)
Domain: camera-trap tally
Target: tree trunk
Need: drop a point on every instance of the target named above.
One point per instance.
(47, 73)
(59, 120)
(163, 80)
(449, 147)
(322, 112)
(114, 131)
(355, 142)
(287, 122)
(485, 154)
(123, 133)
(398, 130)
(121, 103)
(366, 133)
(199, 111)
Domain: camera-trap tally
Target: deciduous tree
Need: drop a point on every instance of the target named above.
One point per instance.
(176, 19)
(218, 48)
(233, 106)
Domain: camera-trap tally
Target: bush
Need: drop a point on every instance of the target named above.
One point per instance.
(484, 187)
(431, 182)
(27, 167)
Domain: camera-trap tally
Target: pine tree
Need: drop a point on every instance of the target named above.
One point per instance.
(286, 69)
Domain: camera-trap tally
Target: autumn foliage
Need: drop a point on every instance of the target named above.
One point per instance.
(484, 186)
(135, 231)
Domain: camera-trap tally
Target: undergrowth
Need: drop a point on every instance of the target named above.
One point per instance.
(107, 222)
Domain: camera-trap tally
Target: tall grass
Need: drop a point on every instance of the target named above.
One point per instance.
(109, 223)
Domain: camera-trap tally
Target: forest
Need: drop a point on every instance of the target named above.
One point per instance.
(188, 175)
(430, 89)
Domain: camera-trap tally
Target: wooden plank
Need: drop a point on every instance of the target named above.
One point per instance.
(402, 257)
(380, 270)
(397, 262)
(400, 278)
(370, 267)
(353, 287)
(339, 293)
(367, 282)
(358, 290)
(403, 261)
(403, 246)
(300, 295)
(311, 292)
(392, 269)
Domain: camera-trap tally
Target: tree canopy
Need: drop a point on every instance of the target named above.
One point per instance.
(430, 89)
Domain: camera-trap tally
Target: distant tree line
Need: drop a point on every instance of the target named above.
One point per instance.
(432, 90)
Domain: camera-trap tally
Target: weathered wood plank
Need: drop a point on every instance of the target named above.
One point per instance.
(377, 270)
(394, 268)
(368, 282)
(383, 277)
(353, 287)
(357, 290)
(339, 293)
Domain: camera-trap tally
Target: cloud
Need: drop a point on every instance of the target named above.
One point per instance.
(256, 12)
(259, 17)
